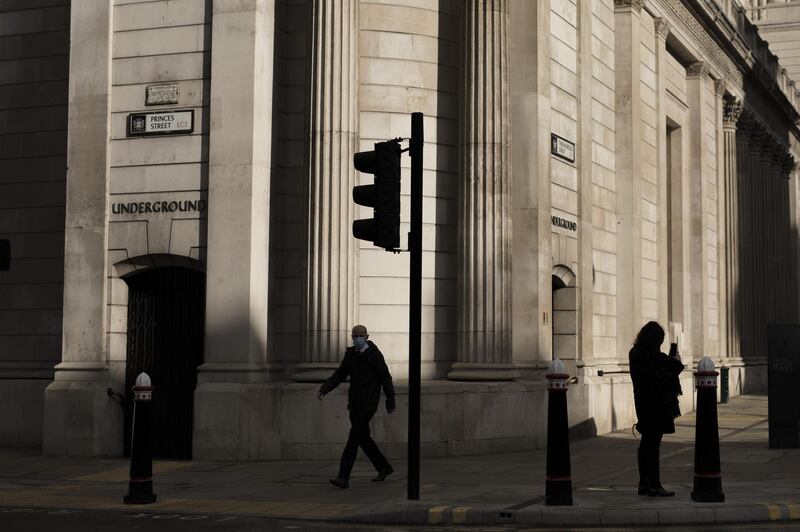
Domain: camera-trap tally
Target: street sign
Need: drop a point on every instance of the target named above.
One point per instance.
(561, 147)
(161, 94)
(160, 123)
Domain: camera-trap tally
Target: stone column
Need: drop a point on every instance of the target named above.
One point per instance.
(729, 271)
(228, 401)
(696, 80)
(745, 133)
(484, 261)
(764, 284)
(330, 292)
(662, 29)
(585, 273)
(532, 262)
(722, 217)
(627, 45)
(79, 418)
(790, 168)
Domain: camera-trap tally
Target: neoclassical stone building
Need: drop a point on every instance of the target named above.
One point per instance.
(175, 181)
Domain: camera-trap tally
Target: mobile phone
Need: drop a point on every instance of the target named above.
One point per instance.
(673, 349)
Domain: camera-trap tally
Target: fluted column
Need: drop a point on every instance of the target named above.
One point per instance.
(729, 273)
(765, 278)
(484, 279)
(662, 30)
(331, 282)
(745, 134)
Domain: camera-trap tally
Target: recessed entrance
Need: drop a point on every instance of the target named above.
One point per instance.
(166, 308)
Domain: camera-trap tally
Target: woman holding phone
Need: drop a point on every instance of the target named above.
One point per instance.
(655, 393)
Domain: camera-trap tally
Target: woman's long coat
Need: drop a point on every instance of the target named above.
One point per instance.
(654, 375)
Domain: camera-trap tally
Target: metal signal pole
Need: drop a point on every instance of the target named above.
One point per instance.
(415, 306)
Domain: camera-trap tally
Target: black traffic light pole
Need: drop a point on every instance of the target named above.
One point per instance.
(415, 305)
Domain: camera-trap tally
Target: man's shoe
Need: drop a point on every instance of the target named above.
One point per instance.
(383, 474)
(340, 483)
(660, 492)
(643, 489)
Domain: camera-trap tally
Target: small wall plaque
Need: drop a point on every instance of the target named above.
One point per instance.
(161, 94)
(561, 147)
(161, 123)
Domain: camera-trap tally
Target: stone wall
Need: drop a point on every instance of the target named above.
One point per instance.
(409, 62)
(604, 231)
(34, 63)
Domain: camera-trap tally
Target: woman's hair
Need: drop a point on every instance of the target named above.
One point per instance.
(650, 337)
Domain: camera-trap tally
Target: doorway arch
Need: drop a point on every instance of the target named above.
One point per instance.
(565, 313)
(165, 334)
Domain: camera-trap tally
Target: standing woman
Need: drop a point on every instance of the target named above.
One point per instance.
(654, 375)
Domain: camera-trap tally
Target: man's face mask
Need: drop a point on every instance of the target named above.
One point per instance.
(359, 341)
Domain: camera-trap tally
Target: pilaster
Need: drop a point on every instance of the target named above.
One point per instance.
(532, 263)
(330, 291)
(79, 418)
(240, 142)
(484, 243)
(697, 78)
(627, 45)
(662, 29)
(730, 280)
(585, 284)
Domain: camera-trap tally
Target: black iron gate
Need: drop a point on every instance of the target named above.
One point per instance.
(165, 339)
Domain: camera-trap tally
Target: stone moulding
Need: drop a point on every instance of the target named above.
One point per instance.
(683, 18)
(635, 5)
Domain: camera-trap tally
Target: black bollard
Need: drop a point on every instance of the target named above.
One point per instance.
(140, 488)
(707, 475)
(558, 484)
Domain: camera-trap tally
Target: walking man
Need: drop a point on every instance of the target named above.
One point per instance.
(364, 364)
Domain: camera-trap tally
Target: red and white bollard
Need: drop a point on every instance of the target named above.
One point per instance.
(140, 488)
(558, 480)
(707, 475)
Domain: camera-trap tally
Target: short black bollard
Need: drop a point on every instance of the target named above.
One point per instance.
(140, 488)
(558, 484)
(707, 475)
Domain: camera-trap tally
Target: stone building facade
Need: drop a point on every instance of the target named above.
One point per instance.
(589, 166)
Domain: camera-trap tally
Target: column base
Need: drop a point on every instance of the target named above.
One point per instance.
(80, 419)
(314, 371)
(468, 371)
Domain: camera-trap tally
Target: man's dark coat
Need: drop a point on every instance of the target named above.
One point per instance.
(654, 375)
(368, 373)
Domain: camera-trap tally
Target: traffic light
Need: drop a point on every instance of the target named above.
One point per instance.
(5, 255)
(384, 196)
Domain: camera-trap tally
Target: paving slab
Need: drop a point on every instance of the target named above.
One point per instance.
(760, 484)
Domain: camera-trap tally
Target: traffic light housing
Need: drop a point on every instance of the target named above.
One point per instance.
(5, 255)
(383, 196)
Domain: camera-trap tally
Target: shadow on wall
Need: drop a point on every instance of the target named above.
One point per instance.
(767, 291)
(446, 171)
(288, 227)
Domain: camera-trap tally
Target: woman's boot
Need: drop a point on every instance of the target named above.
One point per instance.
(643, 486)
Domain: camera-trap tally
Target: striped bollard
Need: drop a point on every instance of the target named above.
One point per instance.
(707, 475)
(140, 488)
(558, 484)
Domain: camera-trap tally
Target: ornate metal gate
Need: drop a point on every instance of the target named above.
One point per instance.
(165, 339)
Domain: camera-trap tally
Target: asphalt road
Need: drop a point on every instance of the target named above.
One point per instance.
(45, 520)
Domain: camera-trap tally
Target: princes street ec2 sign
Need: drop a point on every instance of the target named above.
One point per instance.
(160, 123)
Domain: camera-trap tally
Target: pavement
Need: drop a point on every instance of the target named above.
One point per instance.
(760, 484)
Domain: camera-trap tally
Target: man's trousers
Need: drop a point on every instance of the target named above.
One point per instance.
(360, 437)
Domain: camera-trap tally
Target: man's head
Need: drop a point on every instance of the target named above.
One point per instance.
(360, 330)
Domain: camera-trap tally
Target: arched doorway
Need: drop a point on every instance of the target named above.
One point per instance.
(565, 314)
(166, 312)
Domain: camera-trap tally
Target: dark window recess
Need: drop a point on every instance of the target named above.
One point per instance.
(166, 315)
